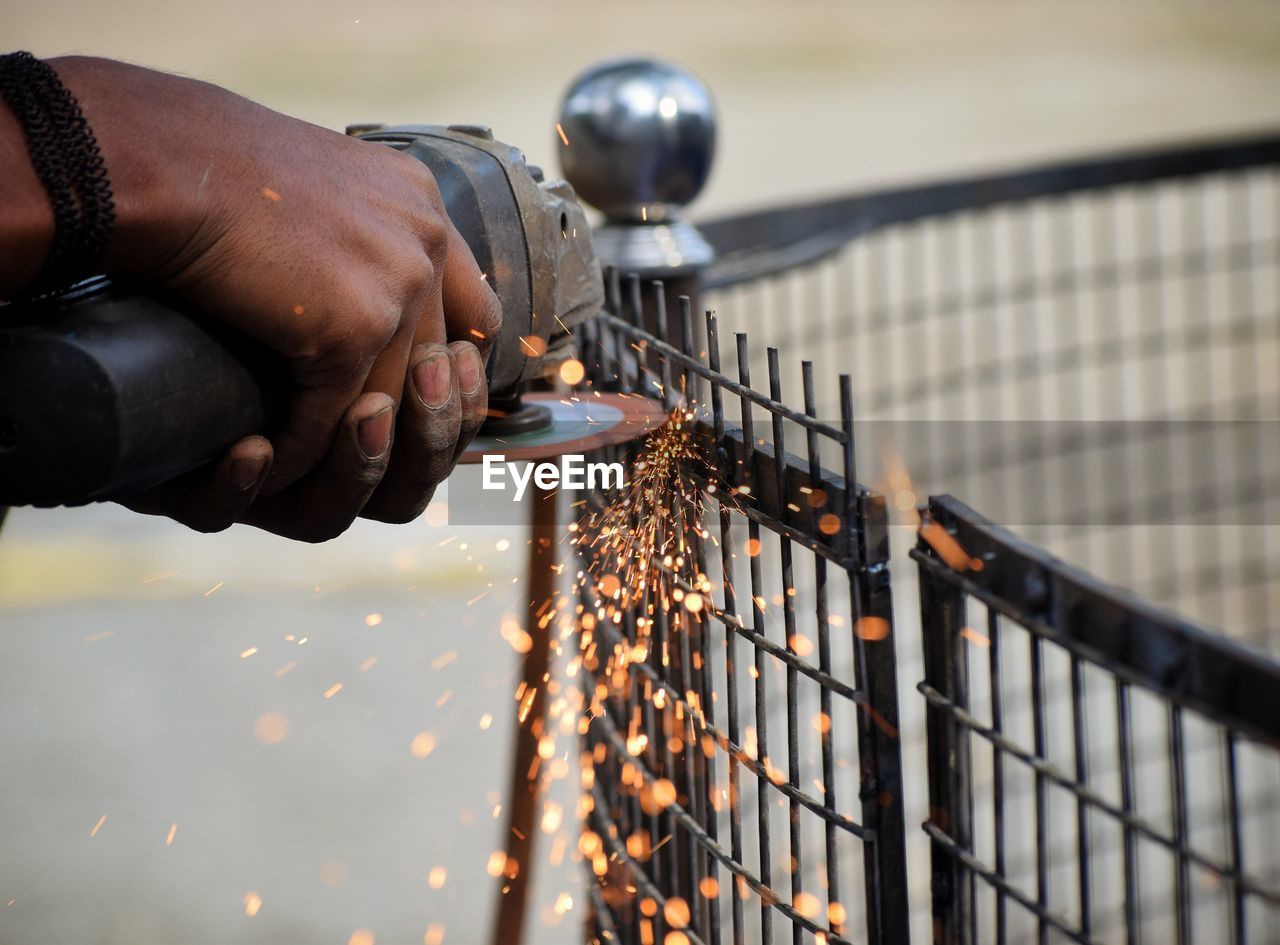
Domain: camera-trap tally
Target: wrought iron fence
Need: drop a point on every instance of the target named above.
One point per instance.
(1144, 806)
(733, 731)
(1085, 352)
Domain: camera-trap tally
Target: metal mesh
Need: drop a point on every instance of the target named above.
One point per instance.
(1141, 807)
(1096, 369)
(1087, 353)
(744, 781)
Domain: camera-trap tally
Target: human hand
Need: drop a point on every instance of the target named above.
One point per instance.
(335, 253)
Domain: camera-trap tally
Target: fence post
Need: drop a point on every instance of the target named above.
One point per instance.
(942, 617)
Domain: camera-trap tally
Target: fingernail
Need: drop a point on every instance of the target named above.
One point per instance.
(470, 370)
(245, 473)
(374, 433)
(431, 378)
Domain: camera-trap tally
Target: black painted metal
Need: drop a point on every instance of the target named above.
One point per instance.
(1187, 669)
(752, 245)
(1066, 719)
(634, 892)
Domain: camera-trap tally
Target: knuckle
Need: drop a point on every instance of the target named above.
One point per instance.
(470, 427)
(442, 441)
(440, 433)
(420, 276)
(378, 325)
(433, 229)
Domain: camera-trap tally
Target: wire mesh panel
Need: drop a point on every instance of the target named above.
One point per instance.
(743, 779)
(1143, 807)
(1086, 351)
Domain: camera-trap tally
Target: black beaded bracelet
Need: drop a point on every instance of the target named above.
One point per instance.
(68, 162)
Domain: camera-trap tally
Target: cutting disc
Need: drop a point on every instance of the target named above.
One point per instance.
(579, 423)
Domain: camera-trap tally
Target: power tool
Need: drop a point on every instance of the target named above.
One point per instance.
(105, 391)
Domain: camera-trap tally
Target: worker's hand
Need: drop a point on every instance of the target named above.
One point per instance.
(335, 253)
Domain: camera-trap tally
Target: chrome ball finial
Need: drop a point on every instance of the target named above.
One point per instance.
(637, 138)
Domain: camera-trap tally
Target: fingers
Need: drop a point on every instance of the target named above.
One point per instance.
(443, 298)
(211, 499)
(326, 388)
(431, 418)
(328, 500)
(371, 358)
(472, 312)
(473, 389)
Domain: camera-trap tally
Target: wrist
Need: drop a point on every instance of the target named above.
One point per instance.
(137, 118)
(27, 220)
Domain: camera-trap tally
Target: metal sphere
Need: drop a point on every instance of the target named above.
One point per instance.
(641, 136)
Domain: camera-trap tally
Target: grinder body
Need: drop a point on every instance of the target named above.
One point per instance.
(105, 391)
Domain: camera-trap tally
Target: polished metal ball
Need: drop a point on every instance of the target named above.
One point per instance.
(637, 138)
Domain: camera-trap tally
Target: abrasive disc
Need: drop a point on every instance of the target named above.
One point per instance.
(580, 422)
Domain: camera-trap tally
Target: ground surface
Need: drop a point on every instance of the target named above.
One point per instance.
(123, 690)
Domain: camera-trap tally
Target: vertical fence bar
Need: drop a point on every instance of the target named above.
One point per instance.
(1124, 747)
(942, 615)
(730, 639)
(835, 909)
(997, 771)
(865, 524)
(789, 630)
(758, 624)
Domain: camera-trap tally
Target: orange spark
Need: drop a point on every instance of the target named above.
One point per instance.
(271, 728)
(871, 628)
(948, 549)
(423, 744)
(572, 371)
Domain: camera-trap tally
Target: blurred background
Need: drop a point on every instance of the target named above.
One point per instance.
(179, 766)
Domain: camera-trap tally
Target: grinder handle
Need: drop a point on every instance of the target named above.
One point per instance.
(108, 393)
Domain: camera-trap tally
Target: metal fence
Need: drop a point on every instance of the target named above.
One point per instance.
(1142, 807)
(740, 791)
(1087, 353)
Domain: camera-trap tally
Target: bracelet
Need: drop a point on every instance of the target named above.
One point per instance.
(69, 164)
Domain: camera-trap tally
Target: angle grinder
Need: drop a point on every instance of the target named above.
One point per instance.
(105, 391)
